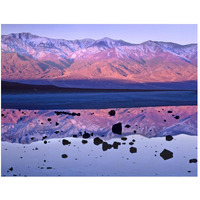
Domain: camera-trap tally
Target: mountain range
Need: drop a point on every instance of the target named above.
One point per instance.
(104, 63)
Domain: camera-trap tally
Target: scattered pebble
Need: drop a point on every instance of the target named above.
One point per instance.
(64, 155)
(11, 169)
(124, 138)
(49, 167)
(169, 138)
(133, 150)
(84, 141)
(49, 119)
(166, 154)
(194, 160)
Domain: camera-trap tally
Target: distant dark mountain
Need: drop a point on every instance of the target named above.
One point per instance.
(27, 57)
(17, 88)
(13, 87)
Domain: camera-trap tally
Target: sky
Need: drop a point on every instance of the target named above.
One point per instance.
(133, 33)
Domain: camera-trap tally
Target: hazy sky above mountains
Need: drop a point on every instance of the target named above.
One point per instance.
(133, 33)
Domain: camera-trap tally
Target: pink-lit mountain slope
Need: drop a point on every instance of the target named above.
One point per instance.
(28, 57)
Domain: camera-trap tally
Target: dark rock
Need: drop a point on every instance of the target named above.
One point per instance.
(57, 123)
(67, 113)
(124, 138)
(106, 146)
(193, 160)
(74, 136)
(111, 113)
(56, 132)
(49, 119)
(49, 167)
(169, 111)
(65, 142)
(84, 141)
(58, 113)
(44, 137)
(86, 135)
(64, 155)
(133, 150)
(134, 131)
(76, 114)
(131, 143)
(98, 141)
(11, 169)
(166, 154)
(177, 117)
(117, 128)
(116, 144)
(169, 138)
(127, 126)
(45, 142)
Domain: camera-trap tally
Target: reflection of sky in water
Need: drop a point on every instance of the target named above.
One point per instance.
(89, 159)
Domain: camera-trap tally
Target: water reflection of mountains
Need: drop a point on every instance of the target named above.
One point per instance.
(26, 126)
